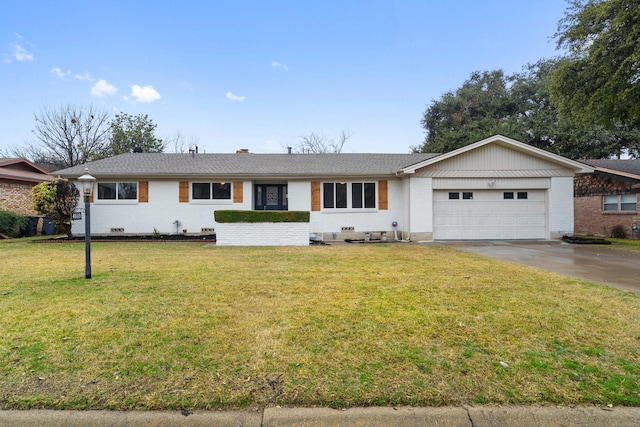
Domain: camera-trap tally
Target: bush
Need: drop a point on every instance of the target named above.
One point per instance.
(619, 232)
(261, 216)
(10, 223)
(56, 200)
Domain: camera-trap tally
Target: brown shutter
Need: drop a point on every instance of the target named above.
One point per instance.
(315, 195)
(143, 192)
(237, 192)
(184, 192)
(383, 196)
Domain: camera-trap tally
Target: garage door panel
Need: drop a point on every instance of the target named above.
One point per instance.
(490, 216)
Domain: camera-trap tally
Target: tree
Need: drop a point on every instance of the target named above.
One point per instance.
(68, 136)
(179, 143)
(57, 200)
(599, 82)
(478, 109)
(313, 142)
(518, 106)
(133, 132)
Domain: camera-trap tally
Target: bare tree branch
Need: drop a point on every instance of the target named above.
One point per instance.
(67, 136)
(179, 143)
(313, 142)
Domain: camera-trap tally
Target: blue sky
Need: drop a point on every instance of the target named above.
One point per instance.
(259, 74)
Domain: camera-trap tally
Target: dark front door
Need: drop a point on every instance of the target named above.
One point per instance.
(271, 197)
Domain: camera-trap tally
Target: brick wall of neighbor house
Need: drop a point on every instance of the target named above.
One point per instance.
(589, 217)
(16, 198)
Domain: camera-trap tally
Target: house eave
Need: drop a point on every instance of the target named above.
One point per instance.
(576, 166)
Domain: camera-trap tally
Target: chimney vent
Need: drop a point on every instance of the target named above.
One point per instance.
(242, 151)
(289, 150)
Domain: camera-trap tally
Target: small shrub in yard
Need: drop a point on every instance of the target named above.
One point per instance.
(10, 223)
(619, 232)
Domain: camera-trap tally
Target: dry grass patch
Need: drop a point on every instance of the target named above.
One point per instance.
(169, 326)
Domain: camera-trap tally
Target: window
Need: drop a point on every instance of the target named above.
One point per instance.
(523, 195)
(621, 203)
(507, 195)
(211, 190)
(117, 191)
(467, 195)
(628, 202)
(454, 196)
(357, 195)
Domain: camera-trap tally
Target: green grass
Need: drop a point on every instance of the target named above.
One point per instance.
(629, 244)
(184, 325)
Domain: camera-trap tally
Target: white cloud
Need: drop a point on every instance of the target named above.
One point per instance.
(21, 54)
(61, 74)
(144, 93)
(233, 97)
(276, 64)
(85, 76)
(102, 88)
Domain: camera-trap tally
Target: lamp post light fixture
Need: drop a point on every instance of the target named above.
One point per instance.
(87, 182)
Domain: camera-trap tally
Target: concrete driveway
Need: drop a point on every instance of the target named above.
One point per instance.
(595, 263)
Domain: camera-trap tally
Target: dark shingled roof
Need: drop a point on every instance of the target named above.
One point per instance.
(167, 165)
(621, 165)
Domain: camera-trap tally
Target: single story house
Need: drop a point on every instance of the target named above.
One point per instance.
(17, 177)
(608, 197)
(497, 188)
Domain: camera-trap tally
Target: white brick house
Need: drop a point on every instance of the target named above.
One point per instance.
(497, 188)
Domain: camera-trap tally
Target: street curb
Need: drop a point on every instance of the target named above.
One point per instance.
(483, 416)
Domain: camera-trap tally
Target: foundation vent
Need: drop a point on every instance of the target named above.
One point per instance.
(117, 230)
(347, 229)
(207, 230)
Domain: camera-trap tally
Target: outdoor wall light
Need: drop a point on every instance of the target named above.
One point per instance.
(87, 182)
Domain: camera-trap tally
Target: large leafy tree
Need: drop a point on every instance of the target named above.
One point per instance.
(129, 133)
(599, 81)
(67, 136)
(56, 200)
(478, 109)
(518, 106)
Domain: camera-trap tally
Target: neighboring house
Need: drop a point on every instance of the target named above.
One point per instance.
(497, 188)
(608, 197)
(17, 178)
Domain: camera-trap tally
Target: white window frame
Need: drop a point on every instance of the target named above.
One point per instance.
(116, 200)
(619, 203)
(349, 190)
(211, 200)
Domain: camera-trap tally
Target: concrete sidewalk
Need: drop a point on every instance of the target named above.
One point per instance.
(479, 416)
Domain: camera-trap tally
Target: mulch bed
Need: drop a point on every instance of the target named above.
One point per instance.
(210, 238)
(585, 240)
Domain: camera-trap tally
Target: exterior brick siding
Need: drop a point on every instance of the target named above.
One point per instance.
(17, 198)
(589, 217)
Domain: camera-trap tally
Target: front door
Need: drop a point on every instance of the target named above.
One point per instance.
(271, 197)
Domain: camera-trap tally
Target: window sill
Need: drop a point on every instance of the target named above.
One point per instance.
(619, 212)
(340, 211)
(115, 202)
(212, 202)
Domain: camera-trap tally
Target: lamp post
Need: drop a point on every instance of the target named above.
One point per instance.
(87, 188)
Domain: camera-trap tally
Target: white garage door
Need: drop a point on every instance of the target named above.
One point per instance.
(489, 214)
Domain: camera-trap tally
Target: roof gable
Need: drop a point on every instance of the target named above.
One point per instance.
(486, 150)
(17, 169)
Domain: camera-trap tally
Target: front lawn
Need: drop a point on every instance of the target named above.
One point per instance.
(191, 326)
